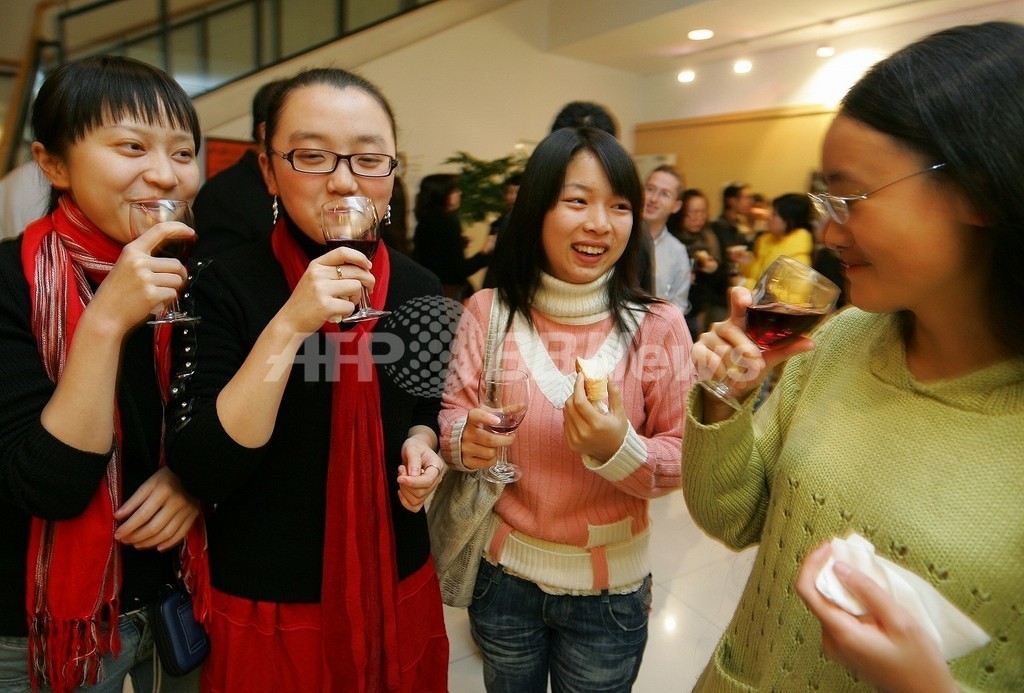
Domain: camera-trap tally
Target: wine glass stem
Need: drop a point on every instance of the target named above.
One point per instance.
(502, 463)
(364, 301)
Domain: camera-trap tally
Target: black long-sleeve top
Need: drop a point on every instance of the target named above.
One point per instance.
(266, 534)
(233, 208)
(44, 477)
(439, 247)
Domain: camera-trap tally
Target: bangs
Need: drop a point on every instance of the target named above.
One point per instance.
(145, 95)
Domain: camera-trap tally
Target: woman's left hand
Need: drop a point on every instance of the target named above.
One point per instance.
(159, 514)
(419, 474)
(590, 431)
(886, 647)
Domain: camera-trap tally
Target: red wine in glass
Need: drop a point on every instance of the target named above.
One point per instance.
(789, 299)
(367, 248)
(178, 248)
(509, 422)
(505, 393)
(147, 213)
(351, 222)
(775, 324)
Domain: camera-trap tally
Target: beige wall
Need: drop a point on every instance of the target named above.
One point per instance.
(775, 151)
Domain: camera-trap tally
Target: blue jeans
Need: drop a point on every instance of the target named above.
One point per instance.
(136, 659)
(587, 644)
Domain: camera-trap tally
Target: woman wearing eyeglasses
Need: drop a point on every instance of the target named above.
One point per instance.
(316, 458)
(903, 419)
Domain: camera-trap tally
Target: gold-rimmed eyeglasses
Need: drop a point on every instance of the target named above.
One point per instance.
(838, 206)
(323, 161)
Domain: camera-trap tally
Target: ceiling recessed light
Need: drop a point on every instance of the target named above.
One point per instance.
(825, 51)
(686, 76)
(742, 67)
(700, 34)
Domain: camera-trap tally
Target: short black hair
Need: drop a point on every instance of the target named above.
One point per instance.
(83, 95)
(795, 210)
(585, 114)
(261, 106)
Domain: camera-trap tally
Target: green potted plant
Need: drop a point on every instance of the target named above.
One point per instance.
(481, 182)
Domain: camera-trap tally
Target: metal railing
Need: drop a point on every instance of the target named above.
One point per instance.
(203, 44)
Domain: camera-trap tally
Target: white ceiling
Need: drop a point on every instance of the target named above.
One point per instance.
(649, 36)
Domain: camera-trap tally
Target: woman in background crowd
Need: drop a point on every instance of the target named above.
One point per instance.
(788, 234)
(708, 301)
(438, 239)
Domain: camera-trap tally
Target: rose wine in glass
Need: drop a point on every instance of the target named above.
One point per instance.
(351, 222)
(505, 392)
(789, 300)
(149, 213)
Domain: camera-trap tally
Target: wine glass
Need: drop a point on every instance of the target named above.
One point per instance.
(351, 222)
(142, 216)
(789, 300)
(505, 392)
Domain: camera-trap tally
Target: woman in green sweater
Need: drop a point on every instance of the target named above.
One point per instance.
(905, 424)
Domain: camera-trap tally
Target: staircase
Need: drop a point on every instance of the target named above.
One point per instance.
(203, 44)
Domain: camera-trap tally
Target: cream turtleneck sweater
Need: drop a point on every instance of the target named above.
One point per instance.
(575, 524)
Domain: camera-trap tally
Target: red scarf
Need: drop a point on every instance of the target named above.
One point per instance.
(359, 590)
(59, 254)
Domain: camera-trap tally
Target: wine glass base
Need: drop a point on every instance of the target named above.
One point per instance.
(366, 314)
(174, 319)
(721, 391)
(509, 474)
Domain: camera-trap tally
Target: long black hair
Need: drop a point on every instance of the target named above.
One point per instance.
(518, 261)
(795, 210)
(956, 97)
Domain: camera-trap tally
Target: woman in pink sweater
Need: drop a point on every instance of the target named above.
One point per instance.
(564, 585)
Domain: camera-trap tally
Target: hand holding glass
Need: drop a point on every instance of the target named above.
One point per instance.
(789, 300)
(143, 216)
(351, 222)
(505, 392)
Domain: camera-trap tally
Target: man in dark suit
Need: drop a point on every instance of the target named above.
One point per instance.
(233, 207)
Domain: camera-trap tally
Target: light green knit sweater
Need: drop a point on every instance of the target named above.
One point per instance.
(932, 474)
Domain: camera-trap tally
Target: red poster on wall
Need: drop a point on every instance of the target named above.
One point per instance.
(221, 153)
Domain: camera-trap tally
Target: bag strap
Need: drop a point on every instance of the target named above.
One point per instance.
(495, 332)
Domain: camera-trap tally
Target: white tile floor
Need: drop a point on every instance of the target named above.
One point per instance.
(697, 583)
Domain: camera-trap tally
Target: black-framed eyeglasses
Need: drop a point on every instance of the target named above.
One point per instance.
(838, 206)
(323, 162)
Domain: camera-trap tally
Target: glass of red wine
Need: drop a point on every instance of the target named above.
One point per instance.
(148, 213)
(505, 392)
(351, 222)
(789, 300)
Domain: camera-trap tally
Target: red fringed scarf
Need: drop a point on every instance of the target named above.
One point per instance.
(59, 254)
(359, 591)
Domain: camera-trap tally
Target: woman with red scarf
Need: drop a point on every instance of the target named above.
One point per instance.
(88, 516)
(317, 458)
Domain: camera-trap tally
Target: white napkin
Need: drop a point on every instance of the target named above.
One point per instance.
(954, 632)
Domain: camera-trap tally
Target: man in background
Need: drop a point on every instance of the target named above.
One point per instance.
(662, 192)
(731, 228)
(233, 207)
(24, 197)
